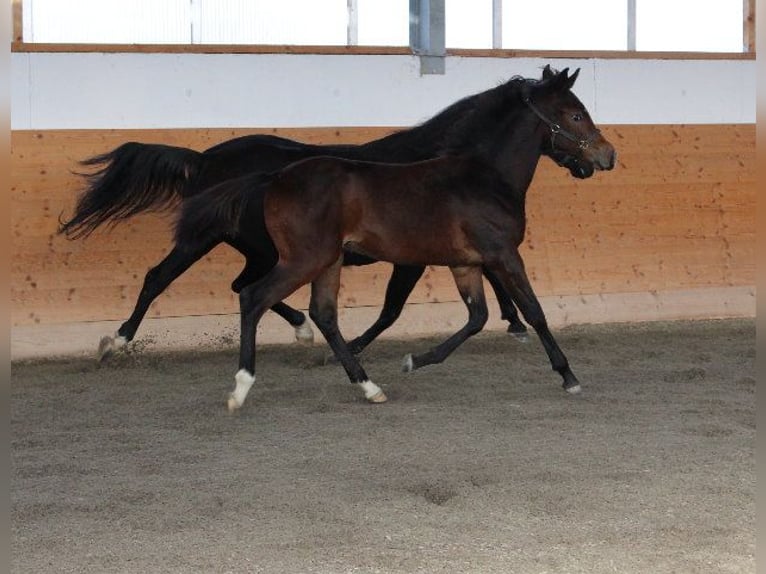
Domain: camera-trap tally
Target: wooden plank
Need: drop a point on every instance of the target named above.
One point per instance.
(370, 50)
(18, 21)
(748, 27)
(677, 213)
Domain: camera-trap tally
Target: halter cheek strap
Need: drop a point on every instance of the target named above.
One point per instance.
(556, 129)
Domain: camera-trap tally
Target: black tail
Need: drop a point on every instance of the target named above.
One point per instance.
(133, 178)
(215, 213)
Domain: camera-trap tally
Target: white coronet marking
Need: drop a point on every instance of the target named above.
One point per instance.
(408, 365)
(373, 392)
(304, 333)
(244, 380)
(575, 390)
(109, 345)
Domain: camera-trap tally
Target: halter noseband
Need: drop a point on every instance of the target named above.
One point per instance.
(556, 129)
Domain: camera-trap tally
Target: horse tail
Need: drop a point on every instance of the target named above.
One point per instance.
(215, 214)
(131, 179)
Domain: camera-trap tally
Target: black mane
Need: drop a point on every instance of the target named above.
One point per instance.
(457, 126)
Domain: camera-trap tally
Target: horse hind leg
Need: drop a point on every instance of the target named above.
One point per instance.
(157, 279)
(516, 328)
(254, 300)
(297, 319)
(401, 284)
(323, 310)
(514, 279)
(469, 284)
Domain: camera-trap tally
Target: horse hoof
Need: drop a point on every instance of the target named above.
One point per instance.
(574, 390)
(521, 337)
(233, 404)
(304, 333)
(408, 365)
(373, 392)
(377, 398)
(109, 345)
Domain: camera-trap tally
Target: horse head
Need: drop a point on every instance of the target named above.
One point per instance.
(575, 142)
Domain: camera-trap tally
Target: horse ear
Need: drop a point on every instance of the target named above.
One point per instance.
(558, 81)
(563, 81)
(572, 78)
(548, 72)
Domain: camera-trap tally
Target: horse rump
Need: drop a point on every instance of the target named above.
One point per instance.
(131, 179)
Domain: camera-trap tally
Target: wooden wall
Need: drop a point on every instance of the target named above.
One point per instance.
(677, 213)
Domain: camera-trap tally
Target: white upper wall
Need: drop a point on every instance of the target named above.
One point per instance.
(134, 90)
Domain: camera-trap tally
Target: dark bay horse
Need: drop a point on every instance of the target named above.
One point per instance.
(464, 210)
(136, 177)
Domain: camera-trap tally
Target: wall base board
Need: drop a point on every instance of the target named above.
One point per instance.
(33, 342)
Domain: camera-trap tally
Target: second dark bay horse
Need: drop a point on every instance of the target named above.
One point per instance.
(136, 177)
(465, 210)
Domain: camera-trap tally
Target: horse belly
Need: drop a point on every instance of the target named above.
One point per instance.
(414, 247)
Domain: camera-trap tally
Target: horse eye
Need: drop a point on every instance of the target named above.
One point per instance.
(577, 117)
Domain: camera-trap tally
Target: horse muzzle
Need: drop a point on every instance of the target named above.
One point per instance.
(603, 157)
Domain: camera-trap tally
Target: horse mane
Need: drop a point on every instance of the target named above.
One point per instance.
(462, 124)
(491, 112)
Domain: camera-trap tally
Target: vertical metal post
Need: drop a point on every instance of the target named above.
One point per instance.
(352, 36)
(427, 34)
(631, 25)
(497, 24)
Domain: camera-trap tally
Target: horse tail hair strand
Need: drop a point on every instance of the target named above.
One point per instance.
(131, 179)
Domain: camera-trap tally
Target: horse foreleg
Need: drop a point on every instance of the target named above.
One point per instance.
(401, 284)
(323, 310)
(507, 309)
(469, 283)
(510, 271)
(156, 281)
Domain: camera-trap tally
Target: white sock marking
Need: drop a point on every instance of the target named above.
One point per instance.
(244, 380)
(304, 333)
(119, 341)
(370, 389)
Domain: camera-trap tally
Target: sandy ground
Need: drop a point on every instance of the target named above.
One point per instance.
(481, 464)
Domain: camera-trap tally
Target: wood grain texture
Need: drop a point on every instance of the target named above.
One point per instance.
(678, 213)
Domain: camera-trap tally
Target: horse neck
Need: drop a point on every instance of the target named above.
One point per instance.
(515, 151)
(423, 141)
(409, 145)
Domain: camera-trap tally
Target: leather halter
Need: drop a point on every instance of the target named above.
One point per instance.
(556, 129)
